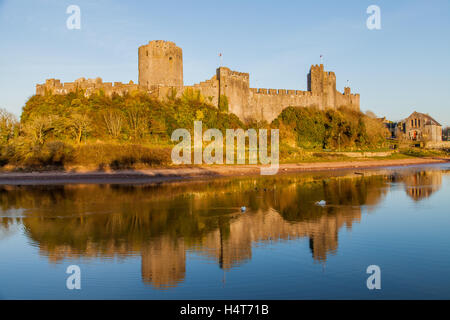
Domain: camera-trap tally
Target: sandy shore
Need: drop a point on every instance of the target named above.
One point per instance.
(158, 175)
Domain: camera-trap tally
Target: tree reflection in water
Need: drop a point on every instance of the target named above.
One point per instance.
(161, 222)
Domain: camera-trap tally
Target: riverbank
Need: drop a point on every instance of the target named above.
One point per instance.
(178, 173)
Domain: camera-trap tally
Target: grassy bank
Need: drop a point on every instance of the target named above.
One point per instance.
(134, 131)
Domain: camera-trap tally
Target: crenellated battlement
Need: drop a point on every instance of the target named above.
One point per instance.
(161, 43)
(161, 74)
(55, 86)
(207, 83)
(240, 74)
(280, 92)
(227, 72)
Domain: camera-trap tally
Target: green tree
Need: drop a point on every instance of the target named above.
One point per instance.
(223, 103)
(8, 126)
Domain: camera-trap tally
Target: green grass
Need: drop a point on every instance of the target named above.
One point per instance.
(420, 152)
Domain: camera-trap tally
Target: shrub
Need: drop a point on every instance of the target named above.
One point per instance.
(223, 103)
(121, 156)
(329, 129)
(50, 154)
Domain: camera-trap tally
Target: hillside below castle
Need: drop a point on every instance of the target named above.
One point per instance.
(161, 75)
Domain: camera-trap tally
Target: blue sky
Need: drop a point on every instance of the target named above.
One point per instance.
(401, 68)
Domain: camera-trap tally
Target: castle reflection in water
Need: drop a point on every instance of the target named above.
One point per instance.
(162, 222)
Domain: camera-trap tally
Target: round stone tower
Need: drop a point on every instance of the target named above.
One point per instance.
(161, 64)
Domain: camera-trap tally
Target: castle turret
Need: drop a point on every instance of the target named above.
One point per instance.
(315, 79)
(236, 87)
(322, 83)
(347, 91)
(160, 64)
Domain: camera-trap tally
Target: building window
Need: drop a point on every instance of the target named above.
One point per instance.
(419, 122)
(412, 123)
(415, 122)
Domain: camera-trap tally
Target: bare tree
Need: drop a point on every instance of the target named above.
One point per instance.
(8, 123)
(113, 121)
(39, 127)
(80, 125)
(371, 114)
(137, 121)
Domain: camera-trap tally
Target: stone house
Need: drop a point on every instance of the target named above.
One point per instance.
(422, 127)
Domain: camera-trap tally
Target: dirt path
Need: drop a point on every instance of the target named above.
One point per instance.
(181, 173)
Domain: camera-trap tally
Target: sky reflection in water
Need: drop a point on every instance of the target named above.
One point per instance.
(190, 240)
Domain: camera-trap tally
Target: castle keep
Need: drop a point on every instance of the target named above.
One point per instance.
(161, 73)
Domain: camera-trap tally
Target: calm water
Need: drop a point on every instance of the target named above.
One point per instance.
(190, 240)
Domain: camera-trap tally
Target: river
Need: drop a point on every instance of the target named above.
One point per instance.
(193, 240)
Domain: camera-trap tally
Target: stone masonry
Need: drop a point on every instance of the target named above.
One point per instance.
(421, 127)
(161, 73)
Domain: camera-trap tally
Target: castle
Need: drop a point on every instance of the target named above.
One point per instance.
(161, 75)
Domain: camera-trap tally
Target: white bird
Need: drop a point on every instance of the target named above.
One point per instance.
(243, 209)
(321, 203)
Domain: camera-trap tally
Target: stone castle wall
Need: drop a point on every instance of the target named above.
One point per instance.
(91, 86)
(266, 104)
(161, 74)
